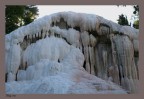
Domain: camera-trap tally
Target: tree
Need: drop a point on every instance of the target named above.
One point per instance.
(136, 24)
(136, 12)
(122, 20)
(135, 17)
(17, 16)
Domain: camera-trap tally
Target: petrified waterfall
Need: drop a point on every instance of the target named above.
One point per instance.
(67, 42)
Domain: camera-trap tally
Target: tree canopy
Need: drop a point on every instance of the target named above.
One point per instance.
(136, 12)
(123, 20)
(19, 15)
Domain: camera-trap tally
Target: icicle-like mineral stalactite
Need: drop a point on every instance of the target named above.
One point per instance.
(13, 59)
(115, 69)
(125, 53)
(85, 42)
(93, 42)
(104, 56)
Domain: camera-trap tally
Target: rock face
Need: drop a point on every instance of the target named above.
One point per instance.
(71, 52)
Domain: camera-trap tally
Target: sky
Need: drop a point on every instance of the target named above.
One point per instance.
(110, 12)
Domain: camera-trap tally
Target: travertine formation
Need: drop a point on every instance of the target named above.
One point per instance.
(70, 43)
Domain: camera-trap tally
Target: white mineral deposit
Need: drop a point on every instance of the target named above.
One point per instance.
(72, 53)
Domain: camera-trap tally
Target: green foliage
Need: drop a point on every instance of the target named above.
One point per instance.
(136, 12)
(136, 24)
(19, 15)
(122, 20)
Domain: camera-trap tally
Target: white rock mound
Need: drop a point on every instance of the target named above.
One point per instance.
(67, 53)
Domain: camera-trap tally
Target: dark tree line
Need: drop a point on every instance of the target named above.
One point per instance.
(123, 20)
(136, 12)
(19, 15)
